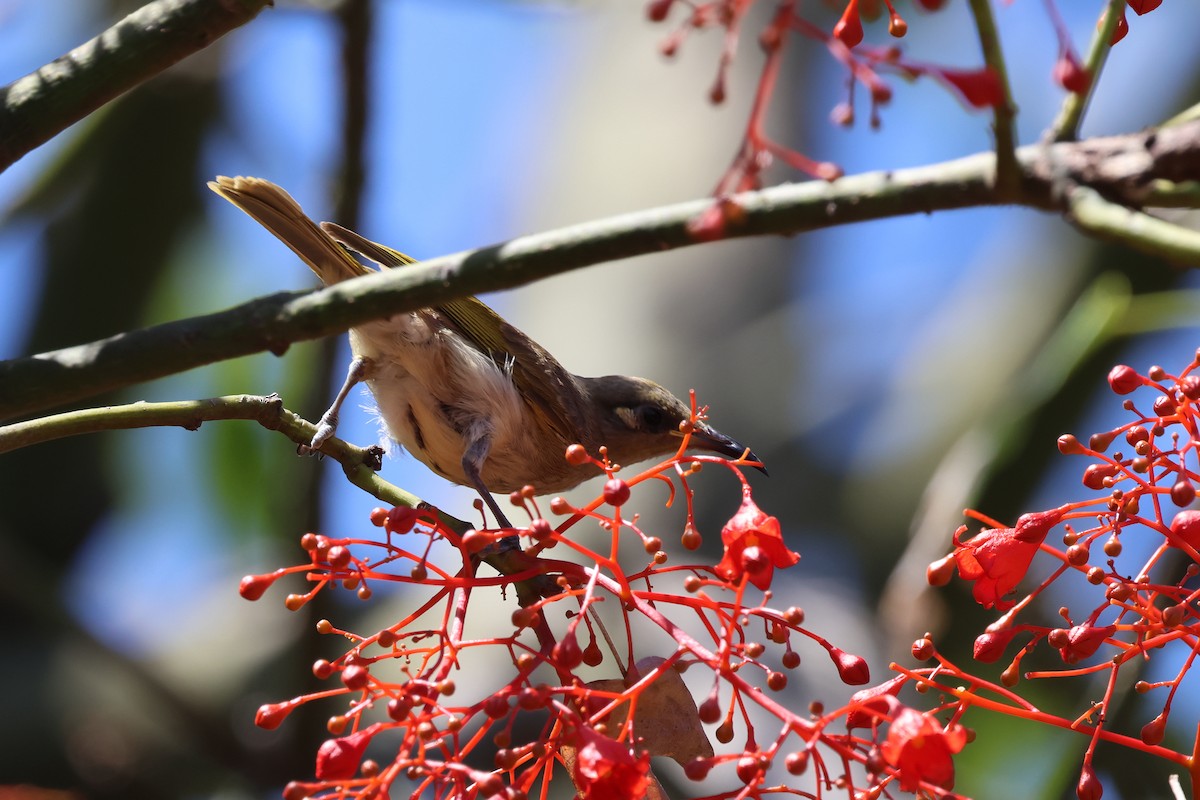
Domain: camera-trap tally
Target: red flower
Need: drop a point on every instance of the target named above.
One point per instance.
(1082, 641)
(868, 705)
(338, 759)
(998, 558)
(605, 768)
(920, 749)
(753, 545)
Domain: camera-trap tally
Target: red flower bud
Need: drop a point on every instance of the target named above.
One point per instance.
(270, 715)
(1152, 731)
(338, 759)
(990, 646)
(849, 28)
(253, 586)
(401, 519)
(1186, 526)
(1089, 786)
(1083, 641)
(1094, 475)
(1123, 379)
(1100, 441)
(339, 556)
(939, 572)
(1070, 74)
(616, 492)
(796, 763)
(567, 653)
(852, 669)
(1068, 445)
(355, 677)
(657, 10)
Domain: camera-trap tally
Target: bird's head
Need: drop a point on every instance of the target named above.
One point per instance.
(637, 419)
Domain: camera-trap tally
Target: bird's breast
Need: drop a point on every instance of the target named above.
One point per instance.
(436, 393)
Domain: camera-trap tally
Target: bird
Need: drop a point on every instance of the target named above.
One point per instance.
(466, 393)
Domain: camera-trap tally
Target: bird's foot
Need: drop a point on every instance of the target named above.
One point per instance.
(326, 425)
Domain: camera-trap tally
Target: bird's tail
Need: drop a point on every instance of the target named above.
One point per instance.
(275, 210)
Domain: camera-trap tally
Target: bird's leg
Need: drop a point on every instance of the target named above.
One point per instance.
(329, 420)
(472, 464)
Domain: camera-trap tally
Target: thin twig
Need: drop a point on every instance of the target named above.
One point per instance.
(1007, 175)
(1066, 127)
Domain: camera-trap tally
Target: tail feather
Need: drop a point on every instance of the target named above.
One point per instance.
(275, 210)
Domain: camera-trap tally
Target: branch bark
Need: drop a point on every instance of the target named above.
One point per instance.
(1127, 172)
(35, 108)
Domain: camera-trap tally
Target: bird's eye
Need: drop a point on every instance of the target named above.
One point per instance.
(652, 419)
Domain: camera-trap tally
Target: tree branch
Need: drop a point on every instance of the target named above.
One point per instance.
(35, 108)
(1093, 214)
(1122, 169)
(359, 464)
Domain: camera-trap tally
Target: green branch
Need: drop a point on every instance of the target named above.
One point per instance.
(35, 108)
(1094, 215)
(1007, 177)
(358, 463)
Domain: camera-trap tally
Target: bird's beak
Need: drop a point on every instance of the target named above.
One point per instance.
(707, 438)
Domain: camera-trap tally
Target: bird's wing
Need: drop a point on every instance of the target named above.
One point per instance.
(381, 254)
(550, 390)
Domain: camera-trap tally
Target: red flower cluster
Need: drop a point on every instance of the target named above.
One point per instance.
(980, 87)
(1141, 609)
(395, 684)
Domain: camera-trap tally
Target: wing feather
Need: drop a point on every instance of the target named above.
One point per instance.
(549, 390)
